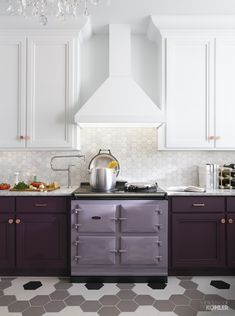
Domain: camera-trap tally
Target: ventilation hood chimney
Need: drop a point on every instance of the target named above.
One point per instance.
(119, 101)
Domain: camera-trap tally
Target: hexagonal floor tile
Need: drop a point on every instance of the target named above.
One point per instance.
(109, 300)
(7, 300)
(32, 285)
(63, 285)
(198, 305)
(74, 300)
(59, 295)
(214, 299)
(109, 311)
(164, 305)
(157, 286)
(127, 306)
(55, 306)
(34, 311)
(126, 294)
(125, 286)
(94, 286)
(179, 299)
(18, 306)
(5, 284)
(185, 311)
(90, 306)
(219, 284)
(144, 300)
(187, 284)
(40, 300)
(194, 294)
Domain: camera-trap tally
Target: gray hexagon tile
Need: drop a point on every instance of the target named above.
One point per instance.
(109, 300)
(144, 300)
(34, 311)
(187, 284)
(194, 294)
(18, 306)
(126, 294)
(185, 311)
(90, 306)
(125, 286)
(109, 311)
(127, 306)
(55, 306)
(6, 300)
(59, 295)
(164, 305)
(74, 300)
(179, 299)
(40, 300)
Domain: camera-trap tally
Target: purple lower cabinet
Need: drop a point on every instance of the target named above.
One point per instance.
(41, 244)
(198, 240)
(231, 239)
(7, 242)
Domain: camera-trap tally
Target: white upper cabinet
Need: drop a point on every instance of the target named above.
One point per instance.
(38, 91)
(189, 83)
(225, 92)
(12, 91)
(50, 92)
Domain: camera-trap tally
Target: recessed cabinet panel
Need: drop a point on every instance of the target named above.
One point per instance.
(96, 218)
(7, 241)
(189, 82)
(140, 250)
(225, 93)
(12, 91)
(50, 90)
(198, 240)
(95, 250)
(140, 217)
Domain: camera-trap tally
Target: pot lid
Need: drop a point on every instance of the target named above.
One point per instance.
(103, 159)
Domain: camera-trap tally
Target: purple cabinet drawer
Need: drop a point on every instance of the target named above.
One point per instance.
(41, 204)
(231, 204)
(7, 204)
(198, 204)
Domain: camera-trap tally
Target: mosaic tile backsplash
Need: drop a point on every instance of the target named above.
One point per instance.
(135, 148)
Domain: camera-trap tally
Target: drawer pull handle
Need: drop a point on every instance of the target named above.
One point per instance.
(198, 204)
(230, 221)
(10, 221)
(18, 221)
(96, 217)
(123, 218)
(40, 205)
(222, 221)
(114, 219)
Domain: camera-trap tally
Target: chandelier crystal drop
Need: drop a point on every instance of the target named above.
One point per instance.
(44, 8)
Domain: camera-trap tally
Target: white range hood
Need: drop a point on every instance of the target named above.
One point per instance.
(119, 101)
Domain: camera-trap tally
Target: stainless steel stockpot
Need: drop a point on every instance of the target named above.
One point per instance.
(101, 177)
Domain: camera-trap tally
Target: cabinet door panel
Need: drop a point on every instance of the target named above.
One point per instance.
(231, 240)
(198, 240)
(140, 250)
(7, 242)
(188, 86)
(41, 241)
(12, 91)
(50, 91)
(225, 92)
(95, 250)
(96, 218)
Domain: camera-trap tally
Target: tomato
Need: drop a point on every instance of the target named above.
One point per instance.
(4, 186)
(37, 184)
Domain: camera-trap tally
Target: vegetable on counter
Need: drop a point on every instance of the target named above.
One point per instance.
(4, 186)
(21, 186)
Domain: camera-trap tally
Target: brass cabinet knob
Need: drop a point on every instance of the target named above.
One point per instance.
(18, 221)
(22, 137)
(231, 221)
(10, 221)
(222, 221)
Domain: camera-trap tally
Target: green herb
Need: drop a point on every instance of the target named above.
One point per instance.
(21, 186)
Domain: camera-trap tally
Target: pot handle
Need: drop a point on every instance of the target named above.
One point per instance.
(104, 150)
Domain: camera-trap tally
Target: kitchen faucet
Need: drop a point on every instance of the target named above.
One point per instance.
(69, 166)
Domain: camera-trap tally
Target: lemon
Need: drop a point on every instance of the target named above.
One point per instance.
(113, 164)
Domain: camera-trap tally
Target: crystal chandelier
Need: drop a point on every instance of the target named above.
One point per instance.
(43, 8)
